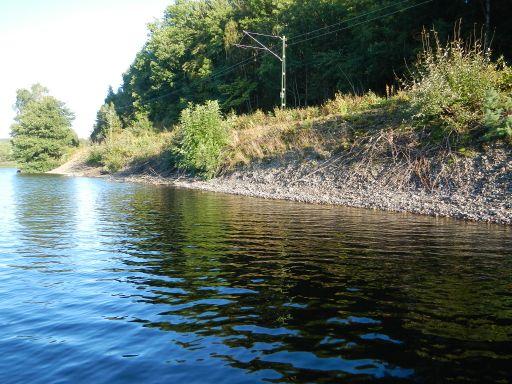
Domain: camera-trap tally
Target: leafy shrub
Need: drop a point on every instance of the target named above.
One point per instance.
(141, 125)
(498, 116)
(452, 86)
(201, 139)
(95, 155)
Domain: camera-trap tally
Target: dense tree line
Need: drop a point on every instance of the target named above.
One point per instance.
(334, 45)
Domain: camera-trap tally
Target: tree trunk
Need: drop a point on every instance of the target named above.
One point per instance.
(487, 17)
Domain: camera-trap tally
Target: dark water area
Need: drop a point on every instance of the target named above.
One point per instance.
(104, 282)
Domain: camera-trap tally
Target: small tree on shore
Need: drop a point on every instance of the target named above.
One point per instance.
(202, 137)
(41, 134)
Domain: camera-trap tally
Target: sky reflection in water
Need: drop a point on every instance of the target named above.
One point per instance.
(106, 282)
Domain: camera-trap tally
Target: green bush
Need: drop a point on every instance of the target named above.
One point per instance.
(498, 116)
(95, 155)
(201, 139)
(141, 125)
(456, 88)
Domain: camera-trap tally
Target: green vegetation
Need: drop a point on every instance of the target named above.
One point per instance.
(5, 153)
(341, 55)
(127, 148)
(107, 123)
(347, 46)
(41, 134)
(197, 144)
(201, 139)
(456, 98)
(460, 93)
(195, 99)
(498, 115)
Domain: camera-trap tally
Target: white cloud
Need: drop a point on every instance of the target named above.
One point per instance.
(76, 53)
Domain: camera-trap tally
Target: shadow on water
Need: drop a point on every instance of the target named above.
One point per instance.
(154, 283)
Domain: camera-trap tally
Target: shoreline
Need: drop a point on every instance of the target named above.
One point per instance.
(301, 180)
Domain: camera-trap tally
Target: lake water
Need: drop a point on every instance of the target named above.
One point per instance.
(104, 282)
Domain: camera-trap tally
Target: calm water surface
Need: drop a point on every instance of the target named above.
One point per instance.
(104, 282)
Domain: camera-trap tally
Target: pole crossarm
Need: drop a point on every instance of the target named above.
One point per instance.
(263, 46)
(281, 58)
(262, 34)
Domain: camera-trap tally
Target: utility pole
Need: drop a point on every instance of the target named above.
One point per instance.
(281, 58)
(283, 74)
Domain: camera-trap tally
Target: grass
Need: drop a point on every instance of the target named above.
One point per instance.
(126, 148)
(459, 93)
(314, 131)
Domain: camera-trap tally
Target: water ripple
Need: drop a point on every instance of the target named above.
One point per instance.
(120, 283)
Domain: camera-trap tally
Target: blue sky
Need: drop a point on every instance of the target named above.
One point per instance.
(76, 48)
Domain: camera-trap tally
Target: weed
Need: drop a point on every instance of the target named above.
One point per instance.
(201, 138)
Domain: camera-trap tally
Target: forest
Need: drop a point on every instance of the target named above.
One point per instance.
(196, 98)
(347, 46)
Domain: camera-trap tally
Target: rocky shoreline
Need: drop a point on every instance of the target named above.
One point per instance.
(481, 189)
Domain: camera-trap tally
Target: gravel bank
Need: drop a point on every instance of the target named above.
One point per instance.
(479, 188)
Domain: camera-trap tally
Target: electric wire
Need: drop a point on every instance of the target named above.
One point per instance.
(362, 22)
(229, 69)
(195, 82)
(348, 20)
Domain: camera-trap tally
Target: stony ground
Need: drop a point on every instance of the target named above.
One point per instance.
(77, 166)
(477, 188)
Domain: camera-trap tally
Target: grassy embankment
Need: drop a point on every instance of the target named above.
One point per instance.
(456, 103)
(6, 159)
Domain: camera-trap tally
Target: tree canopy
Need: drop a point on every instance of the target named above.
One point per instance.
(333, 45)
(107, 122)
(41, 134)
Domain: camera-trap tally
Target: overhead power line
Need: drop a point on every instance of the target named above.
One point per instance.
(195, 82)
(266, 50)
(350, 19)
(362, 22)
(281, 58)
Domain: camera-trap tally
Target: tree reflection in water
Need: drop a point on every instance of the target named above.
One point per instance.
(313, 292)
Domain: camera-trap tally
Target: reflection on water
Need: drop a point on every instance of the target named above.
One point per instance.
(105, 282)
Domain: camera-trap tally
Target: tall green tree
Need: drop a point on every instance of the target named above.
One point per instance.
(333, 45)
(107, 122)
(41, 134)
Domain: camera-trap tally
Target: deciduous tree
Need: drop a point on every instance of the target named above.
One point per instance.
(41, 134)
